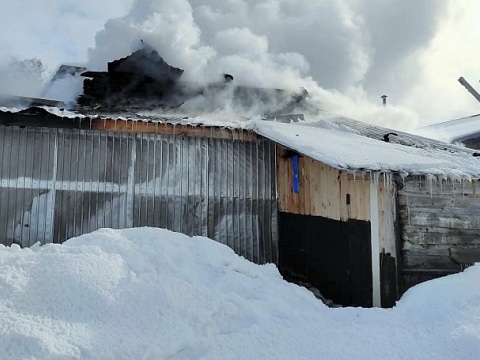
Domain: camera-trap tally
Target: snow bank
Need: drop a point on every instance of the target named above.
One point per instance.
(154, 294)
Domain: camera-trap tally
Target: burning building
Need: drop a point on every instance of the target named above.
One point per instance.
(331, 203)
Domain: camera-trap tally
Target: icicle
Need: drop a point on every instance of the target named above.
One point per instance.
(430, 179)
(376, 179)
(454, 191)
(408, 209)
(403, 174)
(354, 176)
(391, 182)
(393, 192)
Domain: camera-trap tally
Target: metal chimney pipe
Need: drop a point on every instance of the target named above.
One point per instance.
(384, 97)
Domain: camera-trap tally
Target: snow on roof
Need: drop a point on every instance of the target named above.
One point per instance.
(339, 142)
(226, 120)
(150, 293)
(340, 145)
(454, 130)
(61, 113)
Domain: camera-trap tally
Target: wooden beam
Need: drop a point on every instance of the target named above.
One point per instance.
(435, 272)
(38, 117)
(150, 127)
(465, 254)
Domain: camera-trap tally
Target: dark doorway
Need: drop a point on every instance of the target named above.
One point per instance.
(333, 256)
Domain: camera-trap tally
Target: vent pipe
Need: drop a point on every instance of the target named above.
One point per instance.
(384, 98)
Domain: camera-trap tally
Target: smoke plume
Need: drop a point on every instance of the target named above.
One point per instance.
(345, 53)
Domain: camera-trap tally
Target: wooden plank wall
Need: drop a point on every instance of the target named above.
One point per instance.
(323, 190)
(387, 216)
(435, 217)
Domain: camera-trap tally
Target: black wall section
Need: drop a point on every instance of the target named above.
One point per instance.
(334, 256)
(388, 280)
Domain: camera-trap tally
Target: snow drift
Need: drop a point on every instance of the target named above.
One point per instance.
(154, 294)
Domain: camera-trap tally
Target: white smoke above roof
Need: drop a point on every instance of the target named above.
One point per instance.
(273, 43)
(269, 44)
(346, 54)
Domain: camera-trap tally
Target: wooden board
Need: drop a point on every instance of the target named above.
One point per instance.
(358, 191)
(171, 129)
(38, 117)
(462, 255)
(333, 256)
(386, 217)
(323, 190)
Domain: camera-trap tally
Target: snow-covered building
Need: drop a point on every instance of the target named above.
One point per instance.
(464, 131)
(408, 201)
(64, 175)
(360, 212)
(357, 211)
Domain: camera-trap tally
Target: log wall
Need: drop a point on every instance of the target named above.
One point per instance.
(437, 218)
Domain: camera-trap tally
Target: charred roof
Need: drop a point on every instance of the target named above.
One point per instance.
(145, 80)
(147, 63)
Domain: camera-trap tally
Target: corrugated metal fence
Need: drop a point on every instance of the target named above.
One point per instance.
(59, 183)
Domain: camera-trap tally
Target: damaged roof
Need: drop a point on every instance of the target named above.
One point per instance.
(341, 143)
(142, 90)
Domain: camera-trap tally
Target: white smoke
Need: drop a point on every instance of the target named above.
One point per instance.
(55, 32)
(345, 53)
(316, 45)
(22, 77)
(65, 89)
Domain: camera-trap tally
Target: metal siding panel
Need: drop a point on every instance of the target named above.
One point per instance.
(235, 200)
(251, 221)
(62, 182)
(4, 208)
(7, 156)
(273, 221)
(122, 178)
(17, 174)
(180, 199)
(28, 183)
(149, 198)
(113, 199)
(162, 147)
(164, 182)
(260, 204)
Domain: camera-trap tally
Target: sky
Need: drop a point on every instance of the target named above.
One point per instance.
(345, 53)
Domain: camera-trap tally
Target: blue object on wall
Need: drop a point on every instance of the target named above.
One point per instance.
(296, 184)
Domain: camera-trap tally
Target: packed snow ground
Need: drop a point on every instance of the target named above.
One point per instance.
(154, 294)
